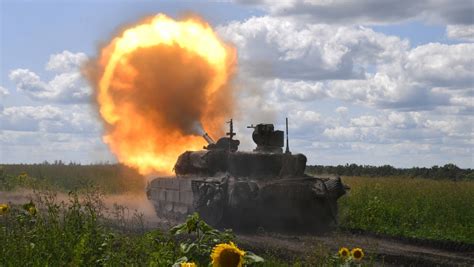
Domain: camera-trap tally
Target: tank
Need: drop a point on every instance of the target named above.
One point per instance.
(264, 188)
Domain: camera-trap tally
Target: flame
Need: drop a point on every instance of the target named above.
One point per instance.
(157, 83)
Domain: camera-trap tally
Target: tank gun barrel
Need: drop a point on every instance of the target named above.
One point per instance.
(208, 139)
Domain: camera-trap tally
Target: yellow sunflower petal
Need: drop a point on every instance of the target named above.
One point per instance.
(4, 208)
(344, 252)
(188, 264)
(357, 254)
(227, 255)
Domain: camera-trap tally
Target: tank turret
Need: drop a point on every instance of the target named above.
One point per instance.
(247, 189)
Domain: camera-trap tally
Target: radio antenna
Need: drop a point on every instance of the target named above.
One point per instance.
(287, 151)
(231, 129)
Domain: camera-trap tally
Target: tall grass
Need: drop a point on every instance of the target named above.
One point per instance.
(111, 178)
(417, 208)
(78, 232)
(75, 232)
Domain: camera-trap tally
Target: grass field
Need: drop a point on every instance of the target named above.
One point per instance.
(416, 208)
(110, 178)
(396, 206)
(78, 232)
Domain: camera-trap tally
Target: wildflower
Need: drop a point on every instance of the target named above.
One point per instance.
(188, 264)
(4, 208)
(30, 208)
(32, 211)
(357, 254)
(227, 255)
(344, 252)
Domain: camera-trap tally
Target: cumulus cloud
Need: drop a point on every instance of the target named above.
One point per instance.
(271, 47)
(50, 119)
(413, 100)
(3, 92)
(393, 130)
(296, 90)
(460, 32)
(442, 65)
(67, 86)
(66, 61)
(365, 121)
(371, 11)
(425, 77)
(396, 127)
(304, 62)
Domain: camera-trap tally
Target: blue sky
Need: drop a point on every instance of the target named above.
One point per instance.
(389, 88)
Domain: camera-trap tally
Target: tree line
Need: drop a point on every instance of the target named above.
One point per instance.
(448, 171)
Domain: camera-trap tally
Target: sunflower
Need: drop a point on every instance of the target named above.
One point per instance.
(344, 252)
(357, 254)
(227, 255)
(188, 264)
(4, 208)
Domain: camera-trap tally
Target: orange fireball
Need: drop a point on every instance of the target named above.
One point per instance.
(159, 83)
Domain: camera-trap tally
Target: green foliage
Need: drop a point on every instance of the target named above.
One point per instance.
(199, 240)
(111, 178)
(415, 208)
(448, 171)
(76, 232)
(9, 182)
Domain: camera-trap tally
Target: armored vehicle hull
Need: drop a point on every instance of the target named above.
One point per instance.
(247, 190)
(248, 196)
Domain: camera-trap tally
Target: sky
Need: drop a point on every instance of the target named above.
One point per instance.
(368, 82)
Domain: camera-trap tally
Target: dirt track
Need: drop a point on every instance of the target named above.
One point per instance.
(386, 251)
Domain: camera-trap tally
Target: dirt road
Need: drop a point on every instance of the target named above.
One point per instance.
(386, 251)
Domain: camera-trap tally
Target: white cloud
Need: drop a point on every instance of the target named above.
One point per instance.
(296, 90)
(3, 92)
(371, 11)
(306, 116)
(287, 49)
(68, 86)
(365, 121)
(414, 81)
(30, 83)
(407, 100)
(442, 65)
(343, 133)
(403, 120)
(342, 110)
(306, 62)
(51, 119)
(461, 32)
(66, 61)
